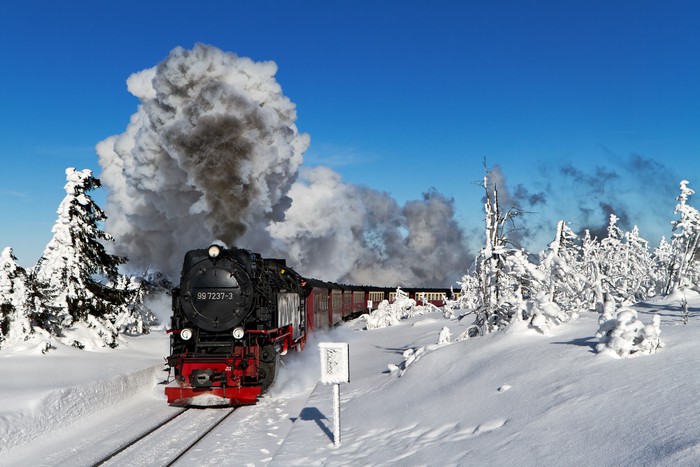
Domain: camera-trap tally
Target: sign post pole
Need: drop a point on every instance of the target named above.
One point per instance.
(335, 369)
(336, 414)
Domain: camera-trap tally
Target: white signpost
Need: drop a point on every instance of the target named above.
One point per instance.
(335, 369)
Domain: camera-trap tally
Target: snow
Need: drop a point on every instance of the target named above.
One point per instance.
(513, 397)
(48, 392)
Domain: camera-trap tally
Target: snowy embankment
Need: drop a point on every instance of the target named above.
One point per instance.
(509, 398)
(45, 393)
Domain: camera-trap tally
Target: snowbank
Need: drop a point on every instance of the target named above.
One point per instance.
(508, 398)
(513, 398)
(49, 392)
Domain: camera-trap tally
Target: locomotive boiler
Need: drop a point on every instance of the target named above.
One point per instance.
(234, 313)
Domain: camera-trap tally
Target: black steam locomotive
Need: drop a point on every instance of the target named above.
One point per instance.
(233, 315)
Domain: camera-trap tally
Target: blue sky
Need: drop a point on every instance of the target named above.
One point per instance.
(581, 103)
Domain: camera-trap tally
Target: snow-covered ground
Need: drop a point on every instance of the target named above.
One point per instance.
(509, 398)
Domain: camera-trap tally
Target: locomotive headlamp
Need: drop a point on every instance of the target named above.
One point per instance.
(214, 251)
(238, 333)
(186, 334)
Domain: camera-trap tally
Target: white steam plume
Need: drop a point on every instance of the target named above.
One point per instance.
(210, 155)
(213, 153)
(362, 236)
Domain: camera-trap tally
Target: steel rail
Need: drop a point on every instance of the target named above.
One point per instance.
(139, 438)
(200, 438)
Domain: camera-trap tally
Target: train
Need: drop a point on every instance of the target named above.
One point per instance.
(235, 313)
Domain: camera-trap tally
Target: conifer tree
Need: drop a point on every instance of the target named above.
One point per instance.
(641, 284)
(135, 316)
(662, 258)
(685, 243)
(617, 264)
(591, 258)
(68, 274)
(561, 264)
(15, 300)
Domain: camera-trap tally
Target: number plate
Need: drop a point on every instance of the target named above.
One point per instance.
(213, 295)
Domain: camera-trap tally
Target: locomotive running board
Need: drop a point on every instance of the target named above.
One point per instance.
(212, 396)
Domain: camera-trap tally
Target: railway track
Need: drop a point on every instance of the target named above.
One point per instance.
(168, 441)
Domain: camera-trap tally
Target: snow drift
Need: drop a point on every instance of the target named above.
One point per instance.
(517, 397)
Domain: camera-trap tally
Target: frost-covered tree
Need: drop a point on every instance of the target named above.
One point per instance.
(390, 314)
(561, 285)
(574, 274)
(662, 258)
(469, 300)
(561, 264)
(134, 317)
(625, 264)
(612, 259)
(502, 273)
(15, 301)
(685, 242)
(546, 314)
(640, 279)
(591, 258)
(70, 273)
(591, 274)
(623, 335)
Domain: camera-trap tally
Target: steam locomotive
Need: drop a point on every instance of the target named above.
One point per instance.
(236, 312)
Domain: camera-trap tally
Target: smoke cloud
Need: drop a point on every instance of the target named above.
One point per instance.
(637, 189)
(362, 236)
(213, 154)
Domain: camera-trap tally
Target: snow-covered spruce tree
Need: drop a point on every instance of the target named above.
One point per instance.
(562, 265)
(384, 316)
(613, 263)
(685, 243)
(68, 275)
(640, 281)
(562, 284)
(15, 301)
(390, 314)
(591, 258)
(625, 265)
(662, 258)
(134, 317)
(469, 300)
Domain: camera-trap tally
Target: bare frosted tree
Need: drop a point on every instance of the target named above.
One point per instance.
(495, 294)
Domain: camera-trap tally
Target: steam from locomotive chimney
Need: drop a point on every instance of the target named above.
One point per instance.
(362, 236)
(213, 153)
(210, 155)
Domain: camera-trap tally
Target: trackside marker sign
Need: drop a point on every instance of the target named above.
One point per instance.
(335, 369)
(335, 362)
